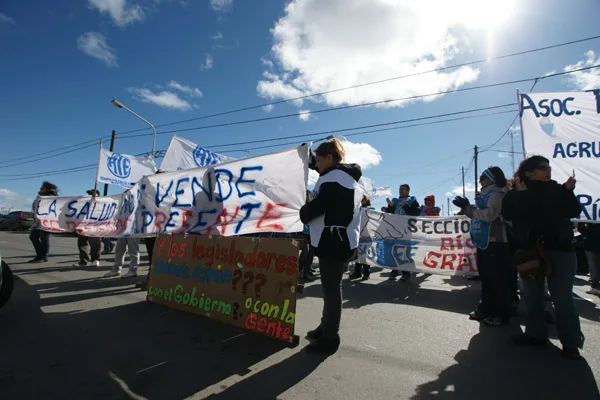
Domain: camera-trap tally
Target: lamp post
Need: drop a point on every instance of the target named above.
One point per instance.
(116, 103)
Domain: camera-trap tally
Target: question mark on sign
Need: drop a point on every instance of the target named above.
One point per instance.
(237, 275)
(249, 278)
(236, 307)
(261, 279)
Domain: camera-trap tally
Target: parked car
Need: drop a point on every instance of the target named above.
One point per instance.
(17, 221)
(6, 282)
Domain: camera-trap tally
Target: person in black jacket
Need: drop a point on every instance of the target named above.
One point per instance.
(333, 215)
(541, 209)
(39, 238)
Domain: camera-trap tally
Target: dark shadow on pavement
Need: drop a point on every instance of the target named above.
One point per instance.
(138, 349)
(494, 368)
(357, 294)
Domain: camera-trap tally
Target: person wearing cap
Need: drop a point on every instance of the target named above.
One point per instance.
(89, 247)
(430, 209)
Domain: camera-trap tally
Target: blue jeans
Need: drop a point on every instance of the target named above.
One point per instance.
(41, 243)
(560, 284)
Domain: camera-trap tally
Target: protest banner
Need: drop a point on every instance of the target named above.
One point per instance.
(183, 154)
(369, 188)
(433, 245)
(258, 194)
(122, 169)
(242, 281)
(565, 128)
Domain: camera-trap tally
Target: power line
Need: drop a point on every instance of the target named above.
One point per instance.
(305, 136)
(372, 83)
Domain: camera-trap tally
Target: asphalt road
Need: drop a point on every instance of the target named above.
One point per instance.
(69, 334)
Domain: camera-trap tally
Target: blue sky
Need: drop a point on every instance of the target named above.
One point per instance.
(171, 60)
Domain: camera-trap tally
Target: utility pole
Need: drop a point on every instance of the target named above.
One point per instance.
(476, 153)
(463, 180)
(448, 205)
(112, 146)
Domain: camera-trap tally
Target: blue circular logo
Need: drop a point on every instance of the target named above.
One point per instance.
(119, 165)
(203, 157)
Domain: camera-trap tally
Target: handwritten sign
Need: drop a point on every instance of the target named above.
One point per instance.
(246, 282)
(434, 245)
(258, 194)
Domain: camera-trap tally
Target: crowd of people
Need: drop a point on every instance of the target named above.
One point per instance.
(511, 220)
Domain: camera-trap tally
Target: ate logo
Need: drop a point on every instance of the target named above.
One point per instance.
(404, 251)
(119, 165)
(203, 157)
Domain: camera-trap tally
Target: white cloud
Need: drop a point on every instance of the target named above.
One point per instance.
(362, 154)
(190, 91)
(221, 5)
(120, 11)
(216, 36)
(207, 63)
(94, 44)
(164, 99)
(504, 155)
(5, 19)
(266, 62)
(585, 80)
(350, 42)
(305, 115)
(13, 200)
(457, 190)
(268, 108)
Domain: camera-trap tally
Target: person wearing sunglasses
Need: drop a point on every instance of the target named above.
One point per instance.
(540, 210)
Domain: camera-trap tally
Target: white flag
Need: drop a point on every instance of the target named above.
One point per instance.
(369, 188)
(122, 169)
(565, 128)
(183, 154)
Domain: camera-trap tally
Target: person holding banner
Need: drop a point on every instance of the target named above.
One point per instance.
(39, 238)
(495, 262)
(362, 270)
(591, 235)
(133, 244)
(430, 209)
(405, 204)
(89, 247)
(334, 218)
(540, 210)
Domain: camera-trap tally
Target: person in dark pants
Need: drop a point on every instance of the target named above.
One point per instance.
(495, 261)
(149, 242)
(540, 210)
(334, 218)
(108, 245)
(39, 238)
(89, 247)
(405, 204)
(591, 235)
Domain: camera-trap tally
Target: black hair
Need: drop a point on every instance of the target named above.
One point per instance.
(405, 185)
(529, 165)
(498, 175)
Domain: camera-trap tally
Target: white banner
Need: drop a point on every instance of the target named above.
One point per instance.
(368, 187)
(240, 197)
(434, 245)
(122, 169)
(565, 128)
(183, 154)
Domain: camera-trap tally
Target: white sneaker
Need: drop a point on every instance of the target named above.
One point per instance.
(96, 263)
(132, 273)
(110, 274)
(78, 265)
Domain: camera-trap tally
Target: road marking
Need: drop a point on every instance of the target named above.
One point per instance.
(153, 366)
(234, 337)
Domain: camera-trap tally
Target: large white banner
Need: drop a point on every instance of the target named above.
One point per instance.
(122, 169)
(183, 154)
(434, 245)
(565, 128)
(245, 196)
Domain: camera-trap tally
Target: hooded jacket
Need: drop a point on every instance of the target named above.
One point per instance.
(543, 210)
(433, 210)
(334, 212)
(48, 192)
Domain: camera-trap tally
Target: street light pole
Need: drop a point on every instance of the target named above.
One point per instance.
(120, 105)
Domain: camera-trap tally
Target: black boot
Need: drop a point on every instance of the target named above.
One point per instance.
(315, 333)
(324, 346)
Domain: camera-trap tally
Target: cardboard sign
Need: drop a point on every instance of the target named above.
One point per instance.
(245, 282)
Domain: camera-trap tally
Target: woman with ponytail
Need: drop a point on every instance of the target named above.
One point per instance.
(333, 215)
